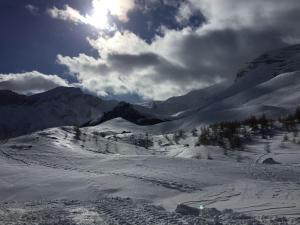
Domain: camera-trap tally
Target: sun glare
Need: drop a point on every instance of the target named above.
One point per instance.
(99, 19)
(100, 15)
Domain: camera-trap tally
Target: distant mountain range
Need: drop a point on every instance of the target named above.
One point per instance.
(61, 106)
(270, 84)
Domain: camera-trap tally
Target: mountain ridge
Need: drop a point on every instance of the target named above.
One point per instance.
(62, 106)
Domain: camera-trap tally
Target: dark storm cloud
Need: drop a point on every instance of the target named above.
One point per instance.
(129, 63)
(221, 53)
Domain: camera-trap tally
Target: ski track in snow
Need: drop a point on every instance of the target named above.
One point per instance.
(249, 187)
(168, 184)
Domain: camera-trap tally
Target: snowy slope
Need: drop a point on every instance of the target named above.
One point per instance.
(260, 70)
(177, 106)
(276, 97)
(268, 85)
(52, 165)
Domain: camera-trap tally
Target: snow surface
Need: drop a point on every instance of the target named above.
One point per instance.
(51, 165)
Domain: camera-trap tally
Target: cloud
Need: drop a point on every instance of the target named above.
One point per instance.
(118, 8)
(173, 64)
(32, 9)
(178, 61)
(237, 14)
(99, 17)
(185, 11)
(68, 14)
(136, 68)
(30, 82)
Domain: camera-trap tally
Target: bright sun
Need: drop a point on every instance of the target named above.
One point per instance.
(100, 15)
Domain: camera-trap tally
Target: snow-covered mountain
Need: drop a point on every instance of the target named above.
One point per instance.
(270, 84)
(20, 114)
(175, 106)
(270, 65)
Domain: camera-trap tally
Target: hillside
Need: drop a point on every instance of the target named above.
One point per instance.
(107, 174)
(61, 106)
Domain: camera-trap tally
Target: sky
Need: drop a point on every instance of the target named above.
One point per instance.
(137, 50)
